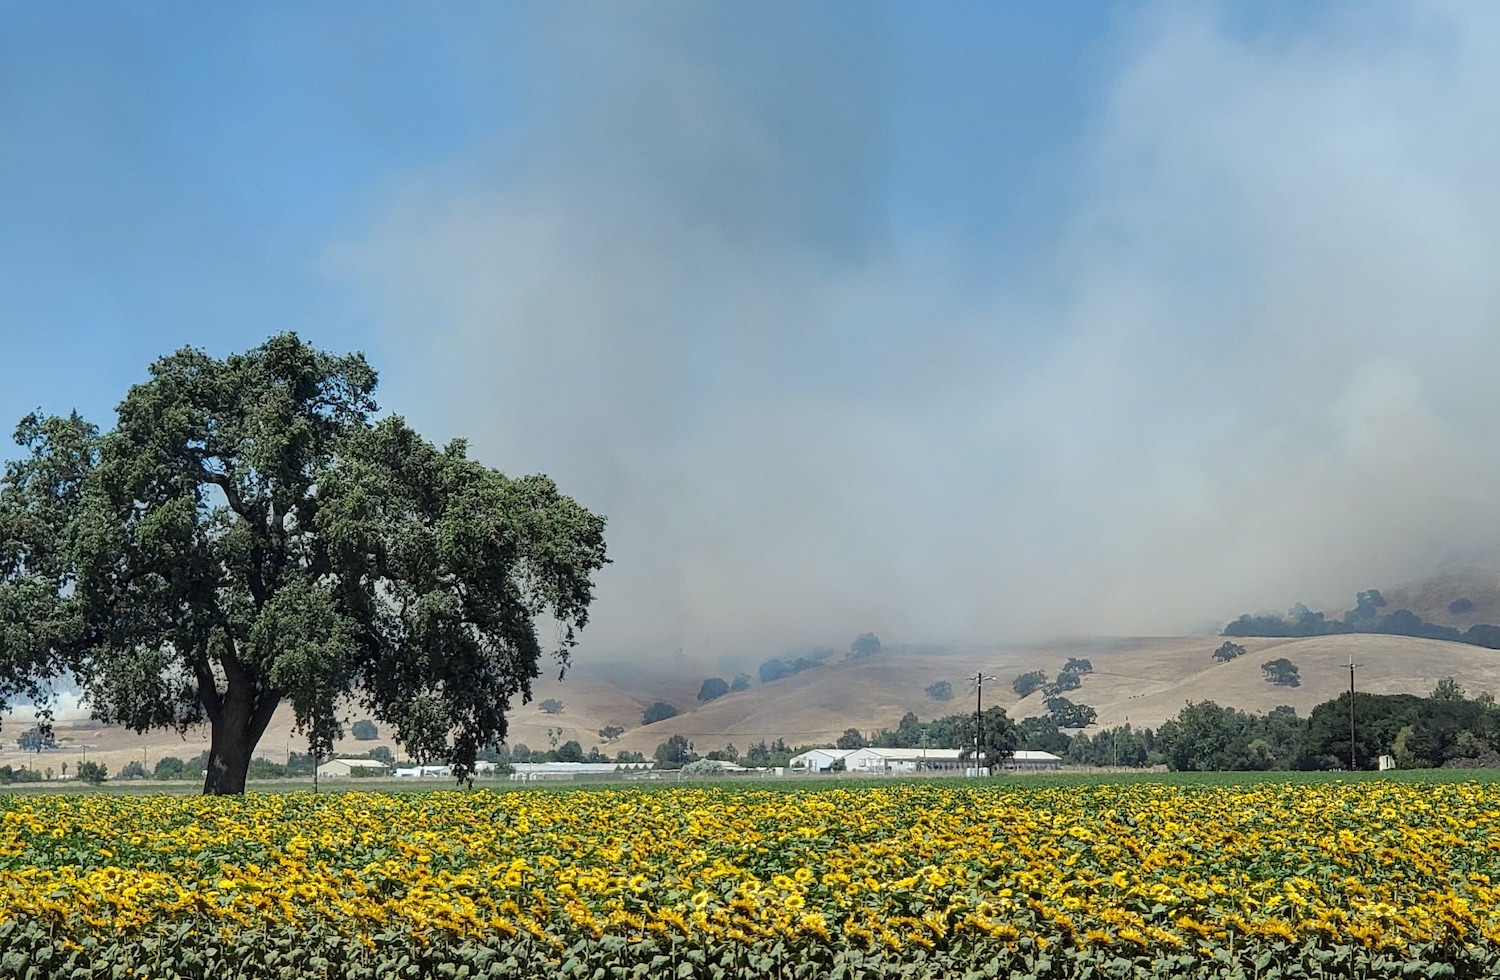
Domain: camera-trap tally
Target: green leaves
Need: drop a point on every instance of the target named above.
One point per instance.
(246, 534)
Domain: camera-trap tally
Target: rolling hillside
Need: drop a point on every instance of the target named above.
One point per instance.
(1143, 680)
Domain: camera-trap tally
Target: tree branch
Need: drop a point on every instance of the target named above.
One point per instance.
(238, 674)
(231, 492)
(265, 707)
(208, 688)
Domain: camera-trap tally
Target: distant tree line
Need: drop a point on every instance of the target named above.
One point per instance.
(1365, 617)
(1445, 729)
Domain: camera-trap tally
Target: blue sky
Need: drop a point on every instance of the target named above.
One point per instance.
(174, 173)
(910, 317)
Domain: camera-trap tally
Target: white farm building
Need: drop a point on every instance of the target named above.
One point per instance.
(531, 772)
(896, 762)
(1027, 760)
(344, 768)
(817, 760)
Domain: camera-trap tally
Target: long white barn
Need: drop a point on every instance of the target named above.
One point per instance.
(897, 762)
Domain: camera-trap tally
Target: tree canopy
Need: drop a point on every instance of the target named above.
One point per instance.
(1070, 714)
(851, 739)
(1032, 680)
(658, 711)
(713, 688)
(250, 533)
(1228, 650)
(940, 690)
(1365, 617)
(1281, 672)
(1001, 736)
(864, 645)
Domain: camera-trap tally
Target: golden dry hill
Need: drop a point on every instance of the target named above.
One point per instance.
(1144, 680)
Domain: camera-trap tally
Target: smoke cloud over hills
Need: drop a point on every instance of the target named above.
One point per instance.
(1249, 365)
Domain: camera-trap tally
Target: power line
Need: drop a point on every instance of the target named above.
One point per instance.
(978, 681)
(1352, 665)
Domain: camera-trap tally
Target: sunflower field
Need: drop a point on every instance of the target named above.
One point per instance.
(912, 880)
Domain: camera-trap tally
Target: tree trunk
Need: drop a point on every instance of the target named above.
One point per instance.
(228, 759)
(236, 728)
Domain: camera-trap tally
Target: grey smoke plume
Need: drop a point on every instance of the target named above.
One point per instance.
(1253, 367)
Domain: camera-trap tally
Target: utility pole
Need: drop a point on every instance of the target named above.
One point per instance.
(1352, 665)
(978, 679)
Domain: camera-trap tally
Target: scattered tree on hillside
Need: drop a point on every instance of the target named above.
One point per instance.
(1079, 665)
(659, 711)
(864, 645)
(1281, 672)
(741, 682)
(610, 732)
(1228, 650)
(551, 706)
(940, 691)
(1032, 680)
(364, 730)
(851, 739)
(1070, 714)
(774, 670)
(251, 533)
(713, 687)
(1459, 607)
(1066, 681)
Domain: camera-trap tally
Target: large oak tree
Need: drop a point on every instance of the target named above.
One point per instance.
(251, 533)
